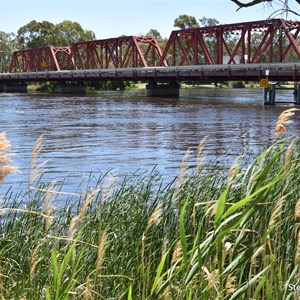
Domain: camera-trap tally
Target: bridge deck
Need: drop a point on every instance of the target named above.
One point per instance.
(231, 72)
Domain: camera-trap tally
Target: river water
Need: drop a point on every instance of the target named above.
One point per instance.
(126, 131)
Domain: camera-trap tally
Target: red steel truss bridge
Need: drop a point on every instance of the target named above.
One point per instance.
(243, 51)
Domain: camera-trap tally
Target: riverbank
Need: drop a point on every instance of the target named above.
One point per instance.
(206, 234)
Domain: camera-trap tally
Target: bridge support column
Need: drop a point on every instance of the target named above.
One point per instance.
(269, 94)
(297, 93)
(71, 88)
(13, 87)
(155, 89)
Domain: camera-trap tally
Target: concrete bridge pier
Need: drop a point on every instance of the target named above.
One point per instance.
(13, 87)
(269, 94)
(297, 93)
(170, 89)
(70, 87)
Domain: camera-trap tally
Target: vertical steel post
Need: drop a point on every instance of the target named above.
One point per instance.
(297, 93)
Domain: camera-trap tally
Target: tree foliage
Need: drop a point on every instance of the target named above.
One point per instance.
(7, 46)
(155, 33)
(185, 21)
(42, 34)
(66, 33)
(35, 34)
(205, 22)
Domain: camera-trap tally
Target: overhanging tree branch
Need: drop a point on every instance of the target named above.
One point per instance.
(249, 3)
(285, 7)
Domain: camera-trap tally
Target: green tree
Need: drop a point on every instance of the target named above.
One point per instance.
(185, 21)
(67, 32)
(35, 34)
(42, 34)
(7, 46)
(155, 33)
(205, 22)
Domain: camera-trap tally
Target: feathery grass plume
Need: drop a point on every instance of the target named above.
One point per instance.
(100, 252)
(5, 158)
(35, 170)
(87, 294)
(259, 251)
(177, 253)
(34, 261)
(183, 166)
(297, 254)
(231, 284)
(284, 118)
(276, 213)
(78, 219)
(200, 155)
(155, 217)
(182, 172)
(167, 293)
(234, 170)
(211, 278)
(48, 207)
(288, 154)
(297, 210)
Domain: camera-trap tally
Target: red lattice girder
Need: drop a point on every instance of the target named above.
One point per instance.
(122, 52)
(273, 40)
(41, 59)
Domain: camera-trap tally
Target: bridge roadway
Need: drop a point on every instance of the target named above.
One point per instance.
(210, 73)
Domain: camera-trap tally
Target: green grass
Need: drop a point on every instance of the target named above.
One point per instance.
(207, 235)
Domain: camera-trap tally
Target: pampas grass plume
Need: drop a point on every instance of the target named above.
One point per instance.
(5, 158)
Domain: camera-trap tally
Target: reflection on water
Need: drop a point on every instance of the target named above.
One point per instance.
(128, 131)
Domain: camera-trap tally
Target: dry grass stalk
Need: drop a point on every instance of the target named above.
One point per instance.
(5, 158)
(231, 284)
(259, 251)
(78, 219)
(298, 246)
(155, 217)
(233, 172)
(37, 213)
(100, 252)
(36, 151)
(200, 155)
(182, 172)
(297, 210)
(183, 167)
(48, 208)
(87, 294)
(167, 293)
(276, 213)
(34, 261)
(51, 191)
(177, 252)
(284, 119)
(108, 186)
(211, 278)
(36, 170)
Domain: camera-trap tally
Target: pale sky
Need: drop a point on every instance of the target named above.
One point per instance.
(112, 18)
